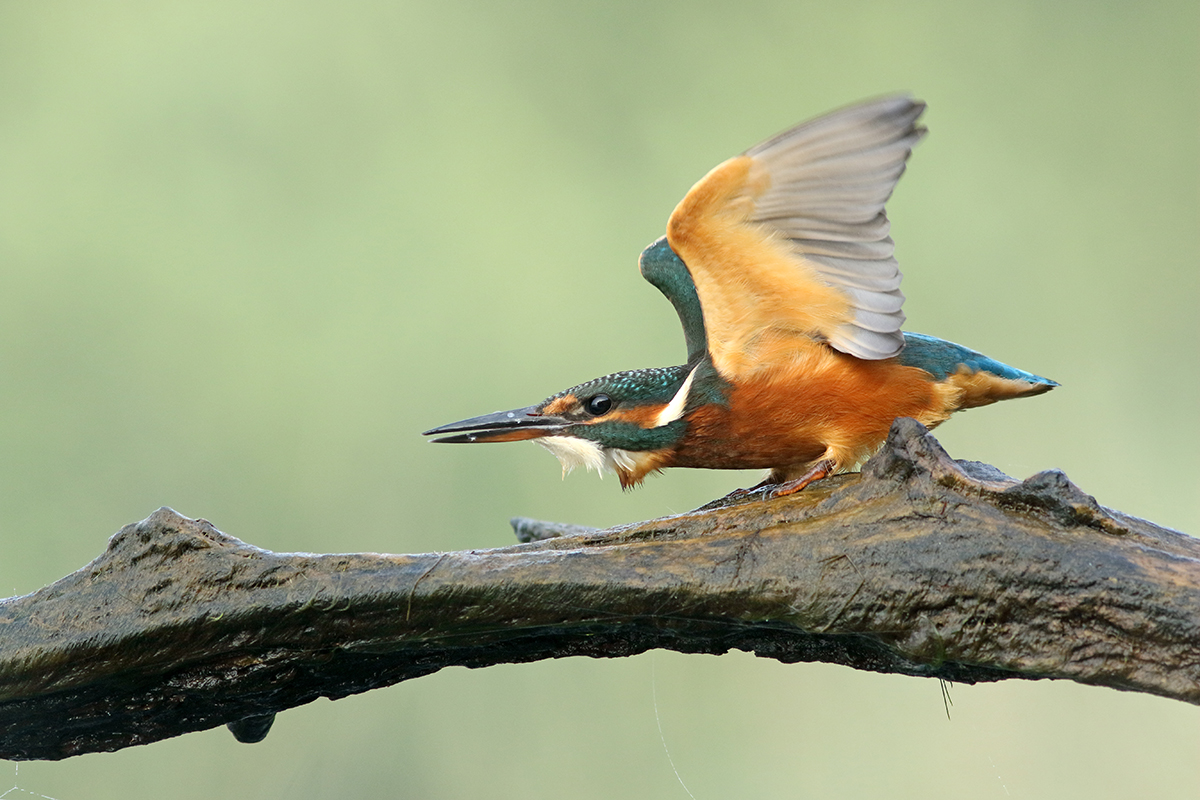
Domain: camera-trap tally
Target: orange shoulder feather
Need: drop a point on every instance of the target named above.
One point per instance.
(761, 302)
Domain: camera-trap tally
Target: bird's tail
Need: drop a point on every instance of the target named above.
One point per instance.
(982, 380)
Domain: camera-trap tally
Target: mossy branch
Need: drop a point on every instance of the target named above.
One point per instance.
(919, 565)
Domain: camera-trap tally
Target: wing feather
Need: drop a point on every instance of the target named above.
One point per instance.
(856, 251)
(803, 227)
(790, 241)
(877, 275)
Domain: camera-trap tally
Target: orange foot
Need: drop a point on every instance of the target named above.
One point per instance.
(822, 469)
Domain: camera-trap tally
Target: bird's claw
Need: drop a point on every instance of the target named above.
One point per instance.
(822, 469)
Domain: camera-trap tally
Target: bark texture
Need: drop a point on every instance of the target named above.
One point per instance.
(920, 565)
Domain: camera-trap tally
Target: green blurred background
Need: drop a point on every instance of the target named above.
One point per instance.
(249, 250)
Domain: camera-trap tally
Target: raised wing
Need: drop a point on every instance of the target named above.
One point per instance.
(789, 242)
(661, 266)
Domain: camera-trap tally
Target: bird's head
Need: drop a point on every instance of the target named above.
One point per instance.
(622, 422)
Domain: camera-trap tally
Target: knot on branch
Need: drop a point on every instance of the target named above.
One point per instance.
(533, 530)
(1053, 494)
(912, 454)
(163, 536)
(913, 457)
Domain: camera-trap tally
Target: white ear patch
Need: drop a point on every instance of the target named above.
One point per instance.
(674, 409)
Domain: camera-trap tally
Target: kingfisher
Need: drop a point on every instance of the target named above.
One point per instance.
(780, 265)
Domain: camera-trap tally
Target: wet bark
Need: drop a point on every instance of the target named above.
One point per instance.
(920, 565)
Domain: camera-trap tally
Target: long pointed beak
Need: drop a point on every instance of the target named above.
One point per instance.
(502, 426)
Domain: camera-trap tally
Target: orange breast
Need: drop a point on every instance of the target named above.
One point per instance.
(821, 404)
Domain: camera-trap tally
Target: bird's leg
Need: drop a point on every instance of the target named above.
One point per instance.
(822, 469)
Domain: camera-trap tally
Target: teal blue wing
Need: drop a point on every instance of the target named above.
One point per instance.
(664, 269)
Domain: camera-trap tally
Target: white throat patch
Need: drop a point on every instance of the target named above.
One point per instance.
(572, 452)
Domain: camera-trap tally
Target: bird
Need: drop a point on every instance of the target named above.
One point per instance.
(780, 265)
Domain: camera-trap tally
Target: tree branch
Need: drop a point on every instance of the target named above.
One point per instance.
(920, 565)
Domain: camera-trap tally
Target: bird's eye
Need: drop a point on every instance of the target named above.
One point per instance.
(598, 404)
